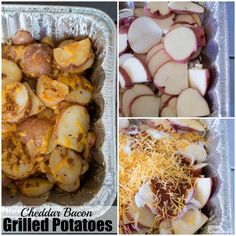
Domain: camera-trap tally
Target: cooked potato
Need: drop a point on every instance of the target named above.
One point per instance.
(70, 187)
(66, 42)
(5, 51)
(10, 72)
(48, 41)
(34, 187)
(47, 113)
(36, 133)
(16, 54)
(90, 141)
(80, 88)
(16, 104)
(71, 127)
(65, 165)
(50, 91)
(37, 60)
(75, 57)
(16, 162)
(6, 127)
(37, 105)
(22, 37)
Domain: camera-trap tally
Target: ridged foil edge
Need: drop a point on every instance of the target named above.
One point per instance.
(106, 195)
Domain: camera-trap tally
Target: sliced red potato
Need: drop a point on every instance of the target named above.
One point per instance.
(186, 7)
(37, 105)
(72, 127)
(190, 103)
(203, 187)
(34, 187)
(74, 57)
(200, 35)
(199, 79)
(81, 89)
(90, 142)
(186, 18)
(197, 19)
(170, 109)
(50, 91)
(172, 77)
(196, 54)
(144, 197)
(16, 103)
(142, 216)
(189, 125)
(197, 150)
(153, 51)
(10, 72)
(159, 9)
(138, 12)
(143, 34)
(136, 70)
(123, 57)
(157, 60)
(65, 165)
(123, 39)
(183, 24)
(124, 79)
(166, 23)
(164, 99)
(145, 106)
(141, 57)
(35, 133)
(180, 43)
(190, 223)
(131, 94)
(123, 123)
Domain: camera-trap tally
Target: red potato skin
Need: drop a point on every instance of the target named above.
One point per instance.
(185, 23)
(128, 81)
(130, 105)
(126, 21)
(124, 30)
(200, 35)
(187, 59)
(179, 127)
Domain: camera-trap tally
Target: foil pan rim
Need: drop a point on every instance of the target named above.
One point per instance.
(105, 197)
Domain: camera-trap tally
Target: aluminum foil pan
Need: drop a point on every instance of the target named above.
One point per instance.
(214, 56)
(219, 207)
(99, 189)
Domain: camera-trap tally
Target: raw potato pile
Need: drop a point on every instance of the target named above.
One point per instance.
(46, 137)
(162, 184)
(160, 70)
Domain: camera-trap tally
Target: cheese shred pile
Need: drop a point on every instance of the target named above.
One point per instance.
(144, 158)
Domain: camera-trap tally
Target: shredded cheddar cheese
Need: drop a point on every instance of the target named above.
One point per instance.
(155, 160)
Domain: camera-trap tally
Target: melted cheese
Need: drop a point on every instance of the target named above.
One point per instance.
(151, 158)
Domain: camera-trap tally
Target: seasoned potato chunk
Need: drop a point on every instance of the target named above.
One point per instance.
(34, 187)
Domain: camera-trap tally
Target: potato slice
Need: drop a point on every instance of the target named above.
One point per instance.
(65, 165)
(74, 57)
(70, 187)
(37, 60)
(22, 37)
(81, 89)
(16, 163)
(50, 91)
(15, 102)
(72, 127)
(10, 72)
(36, 134)
(34, 187)
(90, 141)
(37, 105)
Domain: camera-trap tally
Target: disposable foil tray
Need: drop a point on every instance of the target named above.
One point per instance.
(99, 189)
